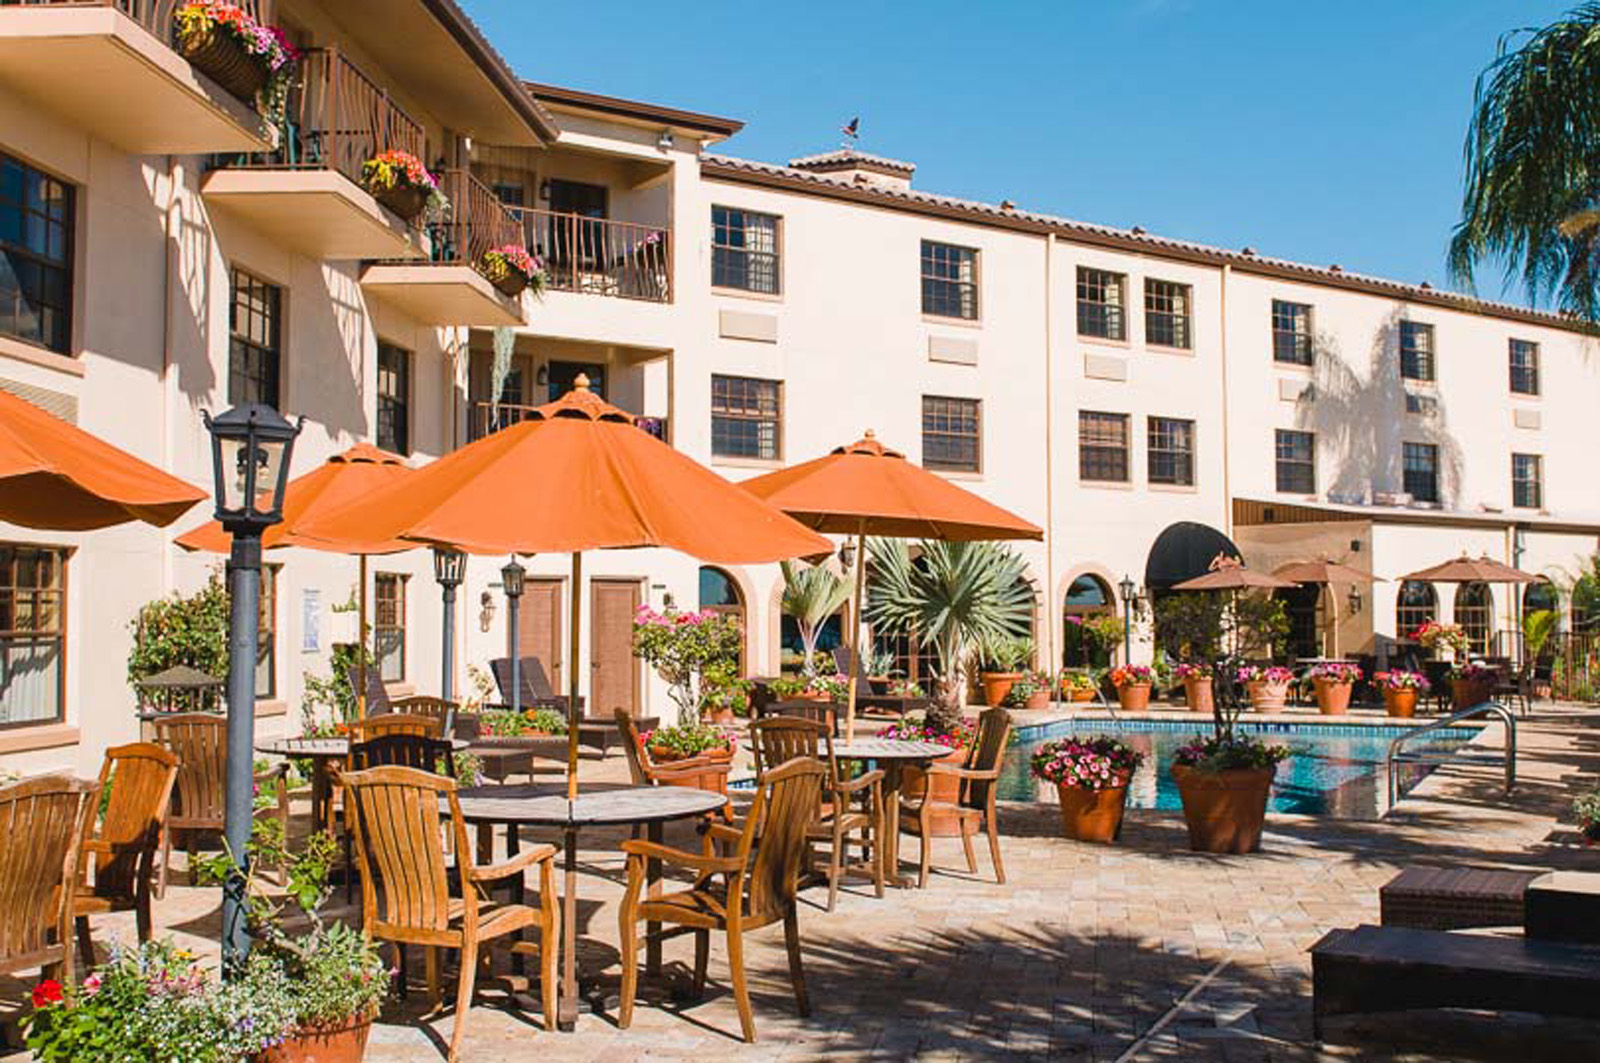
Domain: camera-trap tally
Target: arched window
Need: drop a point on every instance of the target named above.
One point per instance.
(720, 594)
(1415, 605)
(1475, 614)
(1088, 598)
(1541, 596)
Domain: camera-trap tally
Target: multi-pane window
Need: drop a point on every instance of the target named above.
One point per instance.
(1527, 481)
(394, 399)
(36, 216)
(1416, 351)
(1420, 470)
(949, 281)
(1475, 612)
(952, 434)
(267, 635)
(255, 330)
(33, 627)
(389, 626)
(1415, 605)
(1291, 332)
(1103, 446)
(1102, 304)
(1524, 367)
(1297, 462)
(1171, 451)
(744, 250)
(1167, 309)
(746, 417)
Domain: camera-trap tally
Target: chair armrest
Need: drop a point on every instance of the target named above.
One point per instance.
(521, 862)
(859, 783)
(723, 832)
(666, 854)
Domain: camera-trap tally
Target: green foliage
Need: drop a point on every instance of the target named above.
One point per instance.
(1005, 653)
(182, 629)
(1586, 810)
(685, 741)
(503, 723)
(1189, 626)
(1537, 627)
(811, 595)
(682, 647)
(333, 699)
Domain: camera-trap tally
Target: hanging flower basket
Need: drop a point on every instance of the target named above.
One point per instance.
(224, 60)
(513, 270)
(399, 181)
(229, 46)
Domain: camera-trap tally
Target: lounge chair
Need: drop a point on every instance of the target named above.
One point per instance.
(537, 693)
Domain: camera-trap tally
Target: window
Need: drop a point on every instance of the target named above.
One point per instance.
(394, 399)
(1171, 451)
(952, 434)
(744, 250)
(267, 635)
(1291, 332)
(1527, 481)
(1415, 605)
(1420, 469)
(1297, 462)
(254, 329)
(1524, 367)
(1101, 304)
(33, 627)
(1166, 313)
(510, 193)
(949, 281)
(1103, 446)
(1416, 351)
(1474, 612)
(746, 418)
(719, 593)
(36, 220)
(389, 626)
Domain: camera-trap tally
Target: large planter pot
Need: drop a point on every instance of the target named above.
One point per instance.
(1401, 704)
(1465, 693)
(404, 201)
(1333, 697)
(341, 1044)
(1267, 697)
(714, 778)
(721, 717)
(1198, 694)
(944, 789)
(1039, 699)
(1080, 694)
(1225, 810)
(996, 685)
(1093, 815)
(224, 60)
(1133, 697)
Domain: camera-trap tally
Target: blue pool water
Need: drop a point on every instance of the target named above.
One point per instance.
(1335, 770)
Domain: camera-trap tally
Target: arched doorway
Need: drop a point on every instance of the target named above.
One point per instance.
(1302, 606)
(1415, 605)
(1475, 614)
(1088, 599)
(719, 593)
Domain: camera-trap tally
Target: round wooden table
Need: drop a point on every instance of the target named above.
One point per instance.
(547, 806)
(892, 754)
(323, 752)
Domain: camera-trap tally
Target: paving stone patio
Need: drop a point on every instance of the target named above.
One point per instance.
(1142, 951)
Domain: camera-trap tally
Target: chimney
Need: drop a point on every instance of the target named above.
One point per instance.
(848, 164)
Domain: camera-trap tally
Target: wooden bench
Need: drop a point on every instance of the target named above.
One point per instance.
(1453, 898)
(1391, 968)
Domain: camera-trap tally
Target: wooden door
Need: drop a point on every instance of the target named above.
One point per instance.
(613, 670)
(539, 628)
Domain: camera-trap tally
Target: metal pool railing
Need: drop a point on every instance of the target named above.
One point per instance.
(1506, 759)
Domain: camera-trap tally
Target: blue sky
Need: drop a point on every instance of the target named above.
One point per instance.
(1322, 132)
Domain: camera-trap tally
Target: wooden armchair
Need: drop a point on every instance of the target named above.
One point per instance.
(399, 750)
(42, 822)
(975, 805)
(405, 894)
(121, 850)
(396, 723)
(201, 742)
(428, 705)
(758, 887)
(845, 806)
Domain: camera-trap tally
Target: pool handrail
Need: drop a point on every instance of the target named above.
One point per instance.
(1484, 708)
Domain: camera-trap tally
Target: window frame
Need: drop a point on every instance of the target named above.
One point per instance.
(243, 344)
(739, 415)
(745, 254)
(1423, 365)
(1530, 371)
(66, 221)
(1116, 313)
(401, 582)
(62, 567)
(1408, 448)
(1521, 483)
(955, 408)
(402, 424)
(1087, 451)
(1183, 459)
(962, 289)
(1292, 334)
(1181, 323)
(1287, 464)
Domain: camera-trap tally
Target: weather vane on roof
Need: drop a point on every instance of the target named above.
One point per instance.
(852, 133)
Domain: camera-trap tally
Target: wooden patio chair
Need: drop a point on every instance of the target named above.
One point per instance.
(117, 870)
(396, 723)
(839, 814)
(759, 882)
(200, 740)
(42, 822)
(405, 883)
(428, 705)
(974, 808)
(399, 750)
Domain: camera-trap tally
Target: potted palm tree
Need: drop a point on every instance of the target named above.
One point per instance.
(1000, 664)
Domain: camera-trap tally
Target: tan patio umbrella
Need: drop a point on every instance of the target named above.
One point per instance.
(1229, 574)
(1482, 569)
(867, 489)
(1326, 573)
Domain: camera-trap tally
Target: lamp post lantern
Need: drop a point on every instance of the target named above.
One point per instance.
(251, 447)
(511, 581)
(1128, 589)
(449, 568)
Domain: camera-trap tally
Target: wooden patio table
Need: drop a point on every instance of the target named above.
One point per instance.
(548, 806)
(892, 755)
(323, 754)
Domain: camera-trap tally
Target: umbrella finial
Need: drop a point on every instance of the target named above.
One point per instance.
(581, 382)
(870, 434)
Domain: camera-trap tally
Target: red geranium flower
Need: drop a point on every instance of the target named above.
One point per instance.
(46, 993)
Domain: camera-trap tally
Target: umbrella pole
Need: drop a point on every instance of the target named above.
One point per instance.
(567, 1011)
(855, 634)
(573, 712)
(361, 639)
(1333, 616)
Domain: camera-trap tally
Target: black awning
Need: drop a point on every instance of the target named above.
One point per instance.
(1183, 551)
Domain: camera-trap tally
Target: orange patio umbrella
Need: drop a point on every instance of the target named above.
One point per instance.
(1326, 573)
(867, 489)
(57, 477)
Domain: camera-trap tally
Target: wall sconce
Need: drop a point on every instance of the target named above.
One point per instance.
(541, 376)
(544, 189)
(668, 601)
(1354, 600)
(664, 141)
(485, 612)
(847, 554)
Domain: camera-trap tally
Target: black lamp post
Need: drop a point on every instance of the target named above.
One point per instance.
(1128, 589)
(511, 581)
(251, 446)
(449, 567)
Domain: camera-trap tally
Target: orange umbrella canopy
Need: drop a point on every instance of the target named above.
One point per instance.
(1229, 574)
(1325, 571)
(1465, 569)
(866, 486)
(336, 483)
(57, 477)
(576, 475)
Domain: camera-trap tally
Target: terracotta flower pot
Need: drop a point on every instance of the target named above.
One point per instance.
(1225, 810)
(1093, 815)
(1268, 697)
(1039, 699)
(340, 1044)
(945, 789)
(1133, 697)
(1333, 697)
(1198, 694)
(996, 685)
(1081, 694)
(721, 715)
(1464, 693)
(1400, 703)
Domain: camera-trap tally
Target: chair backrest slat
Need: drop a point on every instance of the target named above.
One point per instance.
(141, 777)
(200, 741)
(42, 822)
(777, 740)
(633, 748)
(426, 705)
(396, 818)
(396, 723)
(402, 750)
(788, 799)
(994, 732)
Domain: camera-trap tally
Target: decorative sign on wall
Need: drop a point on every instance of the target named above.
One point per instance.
(311, 620)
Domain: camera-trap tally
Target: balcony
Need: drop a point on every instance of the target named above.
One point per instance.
(308, 194)
(484, 420)
(107, 67)
(599, 256)
(450, 288)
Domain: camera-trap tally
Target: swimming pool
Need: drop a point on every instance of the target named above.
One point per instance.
(1335, 770)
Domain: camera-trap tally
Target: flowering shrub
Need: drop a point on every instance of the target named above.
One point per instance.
(1103, 629)
(919, 731)
(683, 648)
(835, 686)
(1194, 670)
(1131, 675)
(1400, 679)
(515, 259)
(1586, 810)
(1337, 672)
(1230, 751)
(1024, 688)
(1255, 673)
(1097, 763)
(1473, 672)
(1433, 635)
(686, 741)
